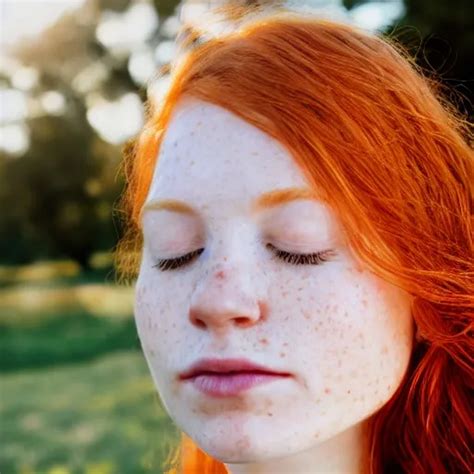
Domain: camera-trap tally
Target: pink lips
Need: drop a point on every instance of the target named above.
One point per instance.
(228, 377)
(226, 385)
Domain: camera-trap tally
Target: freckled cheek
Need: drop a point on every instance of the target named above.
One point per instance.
(153, 319)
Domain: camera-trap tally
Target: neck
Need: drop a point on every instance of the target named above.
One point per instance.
(342, 454)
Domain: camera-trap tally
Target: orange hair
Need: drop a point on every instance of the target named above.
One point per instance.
(394, 160)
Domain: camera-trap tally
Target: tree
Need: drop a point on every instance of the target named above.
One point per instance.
(58, 198)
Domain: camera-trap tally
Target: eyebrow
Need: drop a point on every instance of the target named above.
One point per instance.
(264, 201)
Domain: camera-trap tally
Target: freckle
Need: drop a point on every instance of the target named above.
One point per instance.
(384, 350)
(327, 390)
(282, 354)
(364, 303)
(339, 363)
(300, 289)
(264, 341)
(243, 443)
(318, 400)
(285, 344)
(389, 387)
(316, 435)
(270, 414)
(175, 143)
(152, 352)
(348, 391)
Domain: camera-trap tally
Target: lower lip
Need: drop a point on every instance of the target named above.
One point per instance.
(227, 385)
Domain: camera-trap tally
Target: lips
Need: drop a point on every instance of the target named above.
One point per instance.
(226, 366)
(229, 377)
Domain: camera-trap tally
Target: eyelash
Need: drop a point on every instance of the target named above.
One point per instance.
(293, 258)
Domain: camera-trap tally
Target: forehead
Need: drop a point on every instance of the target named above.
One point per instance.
(210, 155)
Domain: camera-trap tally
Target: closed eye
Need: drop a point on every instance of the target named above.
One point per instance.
(316, 258)
(172, 263)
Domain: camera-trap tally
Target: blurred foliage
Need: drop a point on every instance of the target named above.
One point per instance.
(165, 7)
(51, 205)
(447, 30)
(440, 35)
(58, 199)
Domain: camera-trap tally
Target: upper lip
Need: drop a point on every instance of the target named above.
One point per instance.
(226, 365)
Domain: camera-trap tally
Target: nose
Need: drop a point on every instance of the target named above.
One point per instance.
(226, 298)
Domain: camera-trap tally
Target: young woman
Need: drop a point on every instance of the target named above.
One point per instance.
(300, 217)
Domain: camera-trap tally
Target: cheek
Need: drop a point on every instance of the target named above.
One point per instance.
(152, 318)
(371, 343)
(357, 327)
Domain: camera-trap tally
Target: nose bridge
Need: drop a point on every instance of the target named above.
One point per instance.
(229, 291)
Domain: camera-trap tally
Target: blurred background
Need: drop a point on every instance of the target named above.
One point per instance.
(75, 393)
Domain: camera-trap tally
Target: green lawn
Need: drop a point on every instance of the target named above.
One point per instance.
(98, 417)
(76, 395)
(63, 338)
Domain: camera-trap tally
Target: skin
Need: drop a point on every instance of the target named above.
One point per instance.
(343, 333)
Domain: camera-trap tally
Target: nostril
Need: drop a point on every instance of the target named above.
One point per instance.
(243, 321)
(200, 323)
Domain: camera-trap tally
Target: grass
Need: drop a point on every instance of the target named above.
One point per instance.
(101, 417)
(76, 395)
(63, 339)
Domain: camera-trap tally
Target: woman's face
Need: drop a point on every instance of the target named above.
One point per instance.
(342, 334)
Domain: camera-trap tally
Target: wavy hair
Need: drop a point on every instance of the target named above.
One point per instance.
(394, 159)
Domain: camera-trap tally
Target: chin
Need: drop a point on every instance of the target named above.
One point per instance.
(232, 447)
